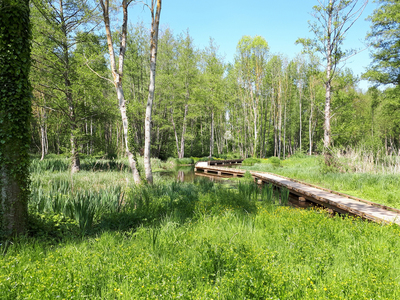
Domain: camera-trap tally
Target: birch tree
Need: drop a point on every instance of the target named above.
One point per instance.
(155, 21)
(118, 73)
(333, 19)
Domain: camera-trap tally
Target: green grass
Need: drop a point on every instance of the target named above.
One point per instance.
(380, 188)
(195, 240)
(278, 253)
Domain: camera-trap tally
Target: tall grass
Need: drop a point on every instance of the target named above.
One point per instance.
(108, 198)
(362, 160)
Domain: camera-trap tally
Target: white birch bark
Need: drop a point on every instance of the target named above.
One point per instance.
(280, 119)
(153, 60)
(327, 122)
(300, 114)
(310, 124)
(117, 75)
(212, 134)
(42, 141)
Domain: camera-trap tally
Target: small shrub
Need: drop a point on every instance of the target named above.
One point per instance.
(52, 226)
(299, 154)
(195, 159)
(275, 161)
(250, 161)
(185, 161)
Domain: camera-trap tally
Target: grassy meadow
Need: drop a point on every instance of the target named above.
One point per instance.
(98, 236)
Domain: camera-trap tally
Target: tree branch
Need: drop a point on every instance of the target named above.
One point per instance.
(87, 64)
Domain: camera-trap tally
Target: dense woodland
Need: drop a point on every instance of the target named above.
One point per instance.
(262, 104)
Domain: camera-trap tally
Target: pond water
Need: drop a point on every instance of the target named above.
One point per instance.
(187, 174)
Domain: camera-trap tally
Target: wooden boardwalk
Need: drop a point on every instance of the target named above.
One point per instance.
(338, 202)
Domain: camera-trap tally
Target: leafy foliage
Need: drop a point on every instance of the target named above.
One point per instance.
(15, 112)
(384, 38)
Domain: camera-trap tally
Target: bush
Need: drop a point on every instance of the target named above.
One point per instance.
(185, 161)
(250, 161)
(195, 159)
(275, 161)
(299, 154)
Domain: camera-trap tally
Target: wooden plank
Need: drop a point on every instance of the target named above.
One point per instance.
(361, 209)
(339, 202)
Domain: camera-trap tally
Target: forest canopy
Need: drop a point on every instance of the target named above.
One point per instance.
(261, 104)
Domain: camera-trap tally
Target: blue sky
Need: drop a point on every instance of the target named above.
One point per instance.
(279, 22)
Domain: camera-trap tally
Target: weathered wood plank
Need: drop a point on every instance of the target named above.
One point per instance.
(340, 202)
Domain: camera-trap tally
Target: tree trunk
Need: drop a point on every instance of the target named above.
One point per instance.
(269, 128)
(14, 210)
(201, 138)
(182, 152)
(212, 134)
(46, 149)
(280, 120)
(284, 133)
(131, 158)
(327, 115)
(15, 112)
(153, 60)
(300, 114)
(42, 136)
(310, 124)
(175, 133)
(117, 75)
(75, 161)
(91, 136)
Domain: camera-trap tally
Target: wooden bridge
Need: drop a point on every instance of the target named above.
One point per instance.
(304, 192)
(224, 162)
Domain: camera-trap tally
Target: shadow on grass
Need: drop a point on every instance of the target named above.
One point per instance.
(144, 206)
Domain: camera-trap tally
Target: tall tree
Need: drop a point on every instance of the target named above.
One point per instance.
(57, 24)
(15, 112)
(118, 74)
(385, 41)
(155, 21)
(186, 76)
(213, 81)
(251, 57)
(333, 20)
(166, 92)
